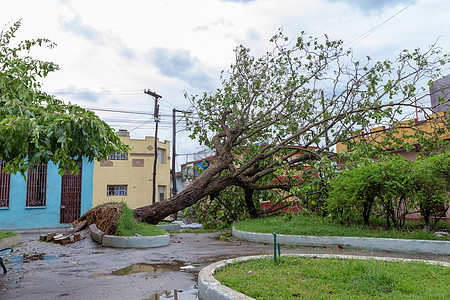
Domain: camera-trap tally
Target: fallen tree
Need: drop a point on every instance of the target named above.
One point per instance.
(281, 112)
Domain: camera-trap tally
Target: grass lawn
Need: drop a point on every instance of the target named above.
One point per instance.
(5, 234)
(318, 278)
(317, 226)
(143, 229)
(128, 226)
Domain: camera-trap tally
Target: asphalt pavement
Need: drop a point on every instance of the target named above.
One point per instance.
(86, 270)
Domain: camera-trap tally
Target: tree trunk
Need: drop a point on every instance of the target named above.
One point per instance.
(249, 203)
(202, 186)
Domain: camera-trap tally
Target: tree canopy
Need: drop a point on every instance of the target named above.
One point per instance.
(37, 128)
(286, 109)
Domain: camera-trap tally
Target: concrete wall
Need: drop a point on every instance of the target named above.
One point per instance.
(18, 216)
(136, 173)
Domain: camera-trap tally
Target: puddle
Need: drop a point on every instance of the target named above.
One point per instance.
(144, 268)
(189, 294)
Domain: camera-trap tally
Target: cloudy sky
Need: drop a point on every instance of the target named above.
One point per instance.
(110, 51)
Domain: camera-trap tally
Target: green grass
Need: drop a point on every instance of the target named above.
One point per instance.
(5, 234)
(128, 226)
(317, 226)
(317, 278)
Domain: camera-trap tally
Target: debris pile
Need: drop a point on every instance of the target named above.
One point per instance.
(60, 238)
(28, 257)
(105, 217)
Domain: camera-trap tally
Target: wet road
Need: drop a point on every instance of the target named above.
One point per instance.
(85, 270)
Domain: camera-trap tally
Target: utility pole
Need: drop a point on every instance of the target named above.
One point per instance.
(174, 136)
(156, 117)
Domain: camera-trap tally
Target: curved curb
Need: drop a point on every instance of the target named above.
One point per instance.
(10, 241)
(375, 244)
(170, 227)
(209, 288)
(128, 241)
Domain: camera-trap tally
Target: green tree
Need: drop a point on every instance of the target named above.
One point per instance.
(431, 176)
(296, 102)
(36, 128)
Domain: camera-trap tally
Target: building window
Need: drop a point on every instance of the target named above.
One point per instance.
(161, 194)
(5, 183)
(118, 156)
(116, 190)
(161, 156)
(37, 186)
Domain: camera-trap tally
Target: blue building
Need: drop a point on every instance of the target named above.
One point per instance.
(44, 199)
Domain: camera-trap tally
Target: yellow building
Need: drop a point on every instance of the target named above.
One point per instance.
(128, 176)
(428, 126)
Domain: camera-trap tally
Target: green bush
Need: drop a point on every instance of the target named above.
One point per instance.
(380, 189)
(352, 195)
(431, 177)
(392, 189)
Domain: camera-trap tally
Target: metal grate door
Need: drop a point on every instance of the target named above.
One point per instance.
(5, 183)
(70, 197)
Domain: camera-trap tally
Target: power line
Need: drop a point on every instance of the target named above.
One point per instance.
(128, 111)
(120, 111)
(369, 32)
(81, 92)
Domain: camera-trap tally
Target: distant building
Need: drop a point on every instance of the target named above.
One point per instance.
(178, 181)
(128, 176)
(440, 89)
(429, 125)
(192, 169)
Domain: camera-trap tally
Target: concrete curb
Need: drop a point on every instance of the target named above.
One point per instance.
(170, 227)
(96, 234)
(209, 288)
(128, 241)
(375, 244)
(9, 241)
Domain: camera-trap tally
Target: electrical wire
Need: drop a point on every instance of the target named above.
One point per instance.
(372, 30)
(83, 93)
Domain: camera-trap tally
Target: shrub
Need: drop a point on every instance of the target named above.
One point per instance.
(353, 193)
(383, 188)
(431, 176)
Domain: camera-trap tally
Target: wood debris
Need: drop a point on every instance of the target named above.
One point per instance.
(63, 239)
